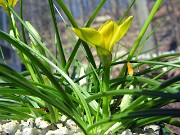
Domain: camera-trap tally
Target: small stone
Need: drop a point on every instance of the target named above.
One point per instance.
(10, 127)
(18, 132)
(127, 132)
(70, 124)
(40, 123)
(78, 133)
(37, 121)
(63, 118)
(152, 129)
(53, 126)
(62, 131)
(135, 134)
(29, 131)
(43, 124)
(1, 128)
(149, 130)
(59, 125)
(41, 132)
(28, 123)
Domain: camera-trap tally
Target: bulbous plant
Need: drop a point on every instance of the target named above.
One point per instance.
(99, 105)
(104, 39)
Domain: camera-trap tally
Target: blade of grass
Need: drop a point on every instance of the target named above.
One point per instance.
(2, 54)
(24, 47)
(149, 35)
(58, 40)
(18, 113)
(151, 93)
(34, 36)
(126, 12)
(141, 114)
(12, 76)
(22, 26)
(141, 34)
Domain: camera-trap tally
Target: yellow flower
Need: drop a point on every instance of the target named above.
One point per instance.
(11, 3)
(106, 36)
(130, 69)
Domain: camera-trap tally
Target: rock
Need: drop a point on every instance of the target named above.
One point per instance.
(127, 132)
(63, 127)
(37, 121)
(63, 118)
(11, 127)
(43, 124)
(40, 123)
(29, 131)
(29, 123)
(70, 124)
(59, 125)
(1, 128)
(152, 129)
(18, 132)
(62, 131)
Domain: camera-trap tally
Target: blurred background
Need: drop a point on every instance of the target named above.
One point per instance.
(165, 39)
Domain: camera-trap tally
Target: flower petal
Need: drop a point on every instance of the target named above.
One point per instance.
(130, 69)
(12, 2)
(89, 35)
(108, 31)
(122, 29)
(2, 3)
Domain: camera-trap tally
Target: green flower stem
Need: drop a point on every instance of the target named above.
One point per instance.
(105, 99)
(105, 58)
(105, 88)
(141, 34)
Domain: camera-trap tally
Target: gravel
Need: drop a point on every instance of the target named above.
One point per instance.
(38, 127)
(65, 127)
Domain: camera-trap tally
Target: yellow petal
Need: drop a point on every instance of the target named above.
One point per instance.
(130, 69)
(108, 31)
(122, 29)
(89, 35)
(3, 4)
(12, 3)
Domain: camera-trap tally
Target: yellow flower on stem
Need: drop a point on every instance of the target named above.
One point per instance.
(106, 36)
(104, 39)
(11, 3)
